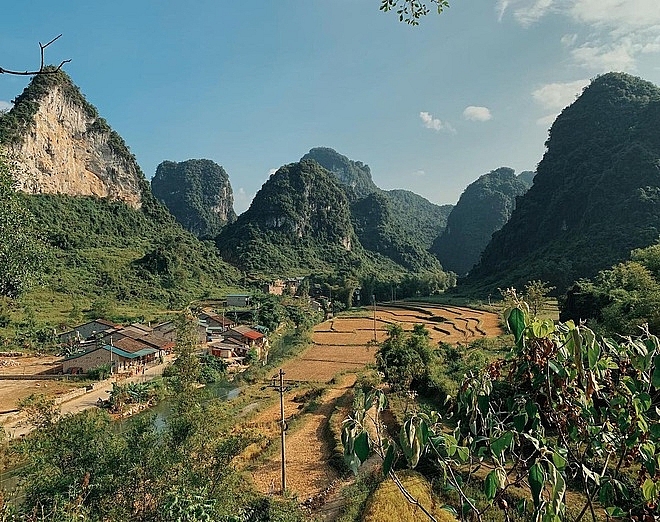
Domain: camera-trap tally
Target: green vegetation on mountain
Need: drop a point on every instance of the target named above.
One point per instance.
(412, 218)
(105, 254)
(355, 176)
(418, 219)
(484, 207)
(21, 251)
(379, 232)
(300, 223)
(596, 194)
(197, 193)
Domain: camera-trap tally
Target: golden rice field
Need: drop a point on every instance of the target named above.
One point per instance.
(342, 344)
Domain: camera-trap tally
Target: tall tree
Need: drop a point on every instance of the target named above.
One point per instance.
(21, 252)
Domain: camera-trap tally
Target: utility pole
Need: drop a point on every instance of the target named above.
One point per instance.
(281, 389)
(373, 299)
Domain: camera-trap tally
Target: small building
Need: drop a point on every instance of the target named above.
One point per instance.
(86, 331)
(166, 330)
(238, 300)
(97, 356)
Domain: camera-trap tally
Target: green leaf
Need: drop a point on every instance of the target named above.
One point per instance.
(389, 460)
(616, 512)
(648, 490)
(462, 453)
(516, 322)
(490, 486)
(484, 403)
(501, 443)
(593, 354)
(361, 446)
(520, 421)
(559, 461)
(536, 481)
(656, 372)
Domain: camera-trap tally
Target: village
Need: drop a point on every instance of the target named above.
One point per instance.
(124, 351)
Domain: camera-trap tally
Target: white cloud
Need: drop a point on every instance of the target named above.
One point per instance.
(5, 105)
(419, 173)
(271, 172)
(556, 96)
(435, 123)
(473, 113)
(616, 32)
(613, 56)
(242, 200)
(546, 121)
(530, 14)
(620, 14)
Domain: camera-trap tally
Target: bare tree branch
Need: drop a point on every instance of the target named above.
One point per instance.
(42, 68)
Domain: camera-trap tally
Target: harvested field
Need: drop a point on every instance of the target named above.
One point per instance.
(321, 363)
(341, 343)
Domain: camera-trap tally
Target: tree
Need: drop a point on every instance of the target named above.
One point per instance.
(404, 356)
(566, 410)
(411, 11)
(21, 252)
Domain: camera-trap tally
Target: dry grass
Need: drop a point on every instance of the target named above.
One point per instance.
(387, 503)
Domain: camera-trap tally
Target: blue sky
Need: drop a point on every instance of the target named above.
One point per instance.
(255, 85)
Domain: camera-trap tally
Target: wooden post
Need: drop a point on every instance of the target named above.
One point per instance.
(282, 430)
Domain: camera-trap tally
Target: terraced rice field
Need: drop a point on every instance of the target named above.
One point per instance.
(342, 344)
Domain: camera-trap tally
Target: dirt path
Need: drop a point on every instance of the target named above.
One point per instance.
(340, 344)
(308, 451)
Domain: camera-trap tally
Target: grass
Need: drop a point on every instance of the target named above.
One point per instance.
(388, 504)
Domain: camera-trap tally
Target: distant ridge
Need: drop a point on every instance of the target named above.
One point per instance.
(596, 194)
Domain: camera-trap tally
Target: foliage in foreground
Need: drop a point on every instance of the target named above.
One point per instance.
(566, 411)
(619, 299)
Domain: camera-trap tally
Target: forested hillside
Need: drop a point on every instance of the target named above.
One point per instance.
(197, 193)
(105, 246)
(300, 219)
(596, 194)
(484, 207)
(411, 219)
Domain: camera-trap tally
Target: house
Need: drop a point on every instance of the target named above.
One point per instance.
(274, 287)
(166, 330)
(238, 300)
(86, 331)
(246, 335)
(227, 348)
(99, 355)
(146, 338)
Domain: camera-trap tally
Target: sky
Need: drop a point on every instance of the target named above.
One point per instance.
(254, 85)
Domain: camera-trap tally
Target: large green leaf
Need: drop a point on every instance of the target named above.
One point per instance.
(388, 462)
(501, 443)
(649, 490)
(361, 446)
(490, 486)
(516, 323)
(536, 481)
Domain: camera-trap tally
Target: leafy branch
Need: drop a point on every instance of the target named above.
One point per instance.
(411, 11)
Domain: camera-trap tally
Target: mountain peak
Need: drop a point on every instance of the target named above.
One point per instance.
(61, 145)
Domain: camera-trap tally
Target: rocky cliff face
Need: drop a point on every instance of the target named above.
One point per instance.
(60, 145)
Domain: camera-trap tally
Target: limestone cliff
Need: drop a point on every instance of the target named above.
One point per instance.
(60, 145)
